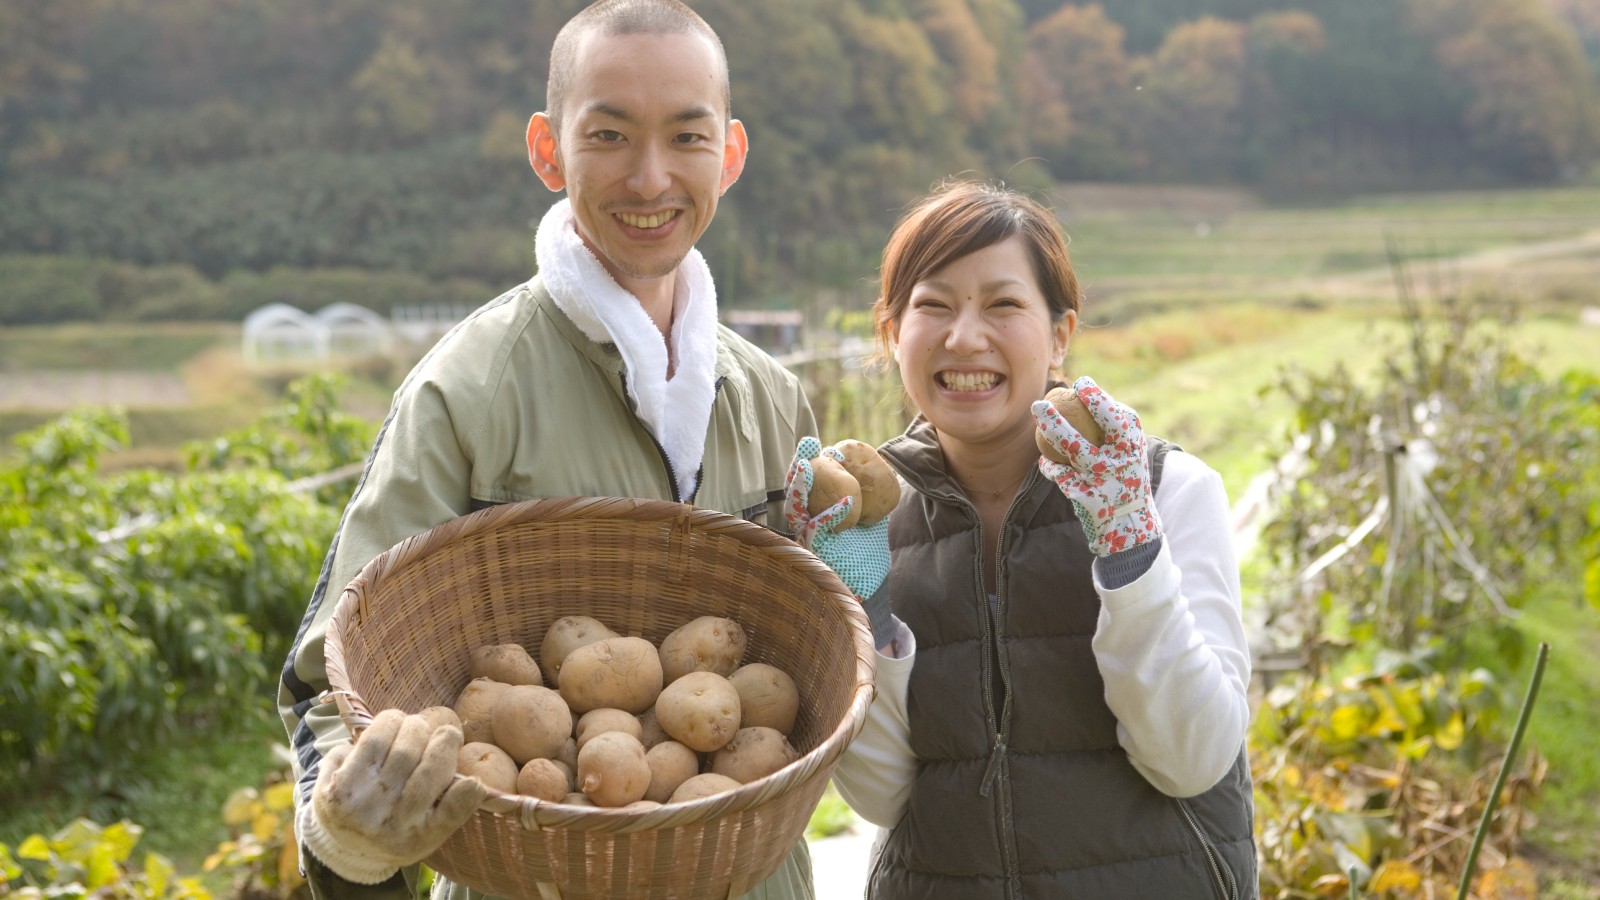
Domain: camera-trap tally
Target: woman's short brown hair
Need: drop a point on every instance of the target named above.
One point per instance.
(958, 218)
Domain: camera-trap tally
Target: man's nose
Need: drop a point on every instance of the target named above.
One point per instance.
(650, 177)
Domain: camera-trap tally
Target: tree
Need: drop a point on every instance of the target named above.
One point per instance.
(1076, 91)
(1532, 112)
(1192, 92)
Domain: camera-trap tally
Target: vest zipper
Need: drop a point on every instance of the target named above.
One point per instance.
(993, 773)
(1008, 840)
(1219, 870)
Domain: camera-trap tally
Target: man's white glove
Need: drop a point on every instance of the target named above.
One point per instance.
(388, 801)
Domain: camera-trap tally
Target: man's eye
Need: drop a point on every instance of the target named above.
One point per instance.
(608, 136)
(689, 138)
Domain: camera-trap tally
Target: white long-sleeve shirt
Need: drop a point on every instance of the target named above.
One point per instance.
(1170, 647)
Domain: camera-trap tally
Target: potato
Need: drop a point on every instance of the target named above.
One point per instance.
(475, 708)
(440, 716)
(880, 486)
(753, 753)
(621, 673)
(767, 697)
(671, 764)
(702, 786)
(568, 754)
(545, 779)
(489, 764)
(578, 798)
(1077, 415)
(650, 733)
(565, 635)
(531, 722)
(599, 721)
(699, 710)
(506, 663)
(830, 483)
(642, 806)
(707, 644)
(612, 769)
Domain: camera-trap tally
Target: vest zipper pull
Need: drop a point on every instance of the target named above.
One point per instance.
(992, 771)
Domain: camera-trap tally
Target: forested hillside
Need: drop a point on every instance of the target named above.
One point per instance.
(172, 158)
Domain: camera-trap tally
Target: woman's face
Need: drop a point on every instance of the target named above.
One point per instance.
(976, 346)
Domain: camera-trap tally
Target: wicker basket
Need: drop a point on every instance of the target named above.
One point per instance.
(403, 629)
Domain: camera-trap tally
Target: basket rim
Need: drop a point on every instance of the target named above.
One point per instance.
(534, 813)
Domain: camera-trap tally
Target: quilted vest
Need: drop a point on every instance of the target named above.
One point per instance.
(1022, 790)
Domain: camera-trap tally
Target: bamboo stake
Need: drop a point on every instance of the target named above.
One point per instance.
(1505, 769)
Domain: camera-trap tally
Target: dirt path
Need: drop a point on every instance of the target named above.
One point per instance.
(1492, 259)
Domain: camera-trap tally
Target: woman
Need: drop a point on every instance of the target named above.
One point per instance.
(1061, 703)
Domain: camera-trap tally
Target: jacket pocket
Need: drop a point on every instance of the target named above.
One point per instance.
(1222, 878)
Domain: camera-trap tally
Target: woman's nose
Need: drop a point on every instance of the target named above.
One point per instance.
(968, 333)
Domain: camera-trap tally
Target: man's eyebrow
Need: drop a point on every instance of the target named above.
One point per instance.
(689, 114)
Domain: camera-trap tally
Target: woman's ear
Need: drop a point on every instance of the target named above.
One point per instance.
(1061, 338)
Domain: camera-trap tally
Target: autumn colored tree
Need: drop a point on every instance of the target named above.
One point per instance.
(1192, 91)
(1532, 112)
(1077, 93)
(1279, 48)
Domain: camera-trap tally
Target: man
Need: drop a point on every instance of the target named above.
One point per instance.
(607, 374)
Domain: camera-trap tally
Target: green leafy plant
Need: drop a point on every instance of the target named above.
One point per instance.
(133, 602)
(262, 849)
(85, 859)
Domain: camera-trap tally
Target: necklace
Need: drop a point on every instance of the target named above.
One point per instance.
(995, 494)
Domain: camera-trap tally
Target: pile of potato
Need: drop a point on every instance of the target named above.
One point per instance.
(626, 724)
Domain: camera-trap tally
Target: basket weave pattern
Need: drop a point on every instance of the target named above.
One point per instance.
(403, 630)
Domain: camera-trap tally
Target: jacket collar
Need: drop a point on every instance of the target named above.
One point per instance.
(731, 382)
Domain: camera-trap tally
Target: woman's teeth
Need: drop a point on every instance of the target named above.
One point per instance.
(651, 221)
(968, 381)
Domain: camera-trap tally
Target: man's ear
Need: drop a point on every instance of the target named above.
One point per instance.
(543, 153)
(735, 147)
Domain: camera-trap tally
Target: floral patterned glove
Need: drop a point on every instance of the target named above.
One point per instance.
(859, 556)
(1109, 485)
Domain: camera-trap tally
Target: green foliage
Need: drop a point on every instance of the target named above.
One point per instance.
(1361, 774)
(386, 136)
(832, 816)
(1479, 469)
(136, 602)
(85, 859)
(261, 848)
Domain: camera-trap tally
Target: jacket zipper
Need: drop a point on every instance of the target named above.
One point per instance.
(666, 461)
(1220, 871)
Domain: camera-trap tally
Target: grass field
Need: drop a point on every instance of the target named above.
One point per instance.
(1197, 301)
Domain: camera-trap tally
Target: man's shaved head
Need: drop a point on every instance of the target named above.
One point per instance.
(616, 17)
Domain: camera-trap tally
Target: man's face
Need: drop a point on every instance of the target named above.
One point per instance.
(645, 149)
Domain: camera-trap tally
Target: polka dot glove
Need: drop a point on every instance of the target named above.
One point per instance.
(859, 556)
(1109, 485)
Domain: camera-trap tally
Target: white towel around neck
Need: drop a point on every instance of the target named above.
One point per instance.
(676, 410)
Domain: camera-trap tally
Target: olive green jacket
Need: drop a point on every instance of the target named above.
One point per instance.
(516, 403)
